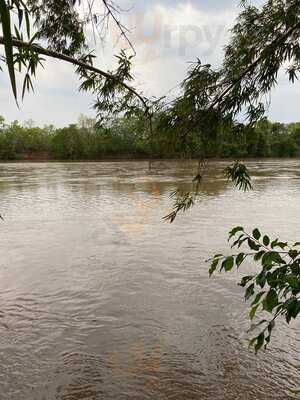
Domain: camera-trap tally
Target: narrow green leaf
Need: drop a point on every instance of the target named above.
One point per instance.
(245, 280)
(257, 298)
(27, 24)
(261, 279)
(235, 230)
(282, 245)
(259, 342)
(255, 326)
(8, 45)
(242, 241)
(24, 86)
(266, 240)
(271, 301)
(253, 311)
(20, 17)
(213, 266)
(249, 292)
(237, 241)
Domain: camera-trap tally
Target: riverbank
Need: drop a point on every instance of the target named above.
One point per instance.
(129, 158)
(127, 139)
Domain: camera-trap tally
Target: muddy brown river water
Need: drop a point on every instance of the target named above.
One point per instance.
(101, 299)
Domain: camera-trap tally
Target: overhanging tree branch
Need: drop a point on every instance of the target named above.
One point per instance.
(249, 70)
(59, 56)
(79, 63)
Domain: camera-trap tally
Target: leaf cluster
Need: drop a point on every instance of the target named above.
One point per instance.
(263, 41)
(184, 200)
(239, 175)
(275, 288)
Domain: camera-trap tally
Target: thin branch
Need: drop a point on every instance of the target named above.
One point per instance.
(111, 10)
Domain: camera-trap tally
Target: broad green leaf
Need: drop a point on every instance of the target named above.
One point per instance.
(266, 260)
(276, 258)
(259, 255)
(272, 257)
(295, 268)
(271, 301)
(293, 254)
(274, 243)
(293, 309)
(256, 234)
(253, 311)
(228, 264)
(235, 230)
(261, 279)
(294, 281)
(253, 245)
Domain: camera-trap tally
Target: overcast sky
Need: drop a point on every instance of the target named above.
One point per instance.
(167, 35)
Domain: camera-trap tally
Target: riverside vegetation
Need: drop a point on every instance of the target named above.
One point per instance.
(127, 137)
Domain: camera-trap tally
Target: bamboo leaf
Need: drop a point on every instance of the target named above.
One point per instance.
(8, 45)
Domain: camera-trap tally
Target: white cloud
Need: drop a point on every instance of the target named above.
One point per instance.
(56, 98)
(168, 37)
(285, 101)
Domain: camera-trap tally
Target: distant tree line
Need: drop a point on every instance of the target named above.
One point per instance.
(127, 137)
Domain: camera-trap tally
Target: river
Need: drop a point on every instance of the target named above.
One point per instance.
(102, 299)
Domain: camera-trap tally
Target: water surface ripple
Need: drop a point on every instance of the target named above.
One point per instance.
(100, 299)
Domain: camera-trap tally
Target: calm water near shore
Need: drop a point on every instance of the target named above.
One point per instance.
(101, 299)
